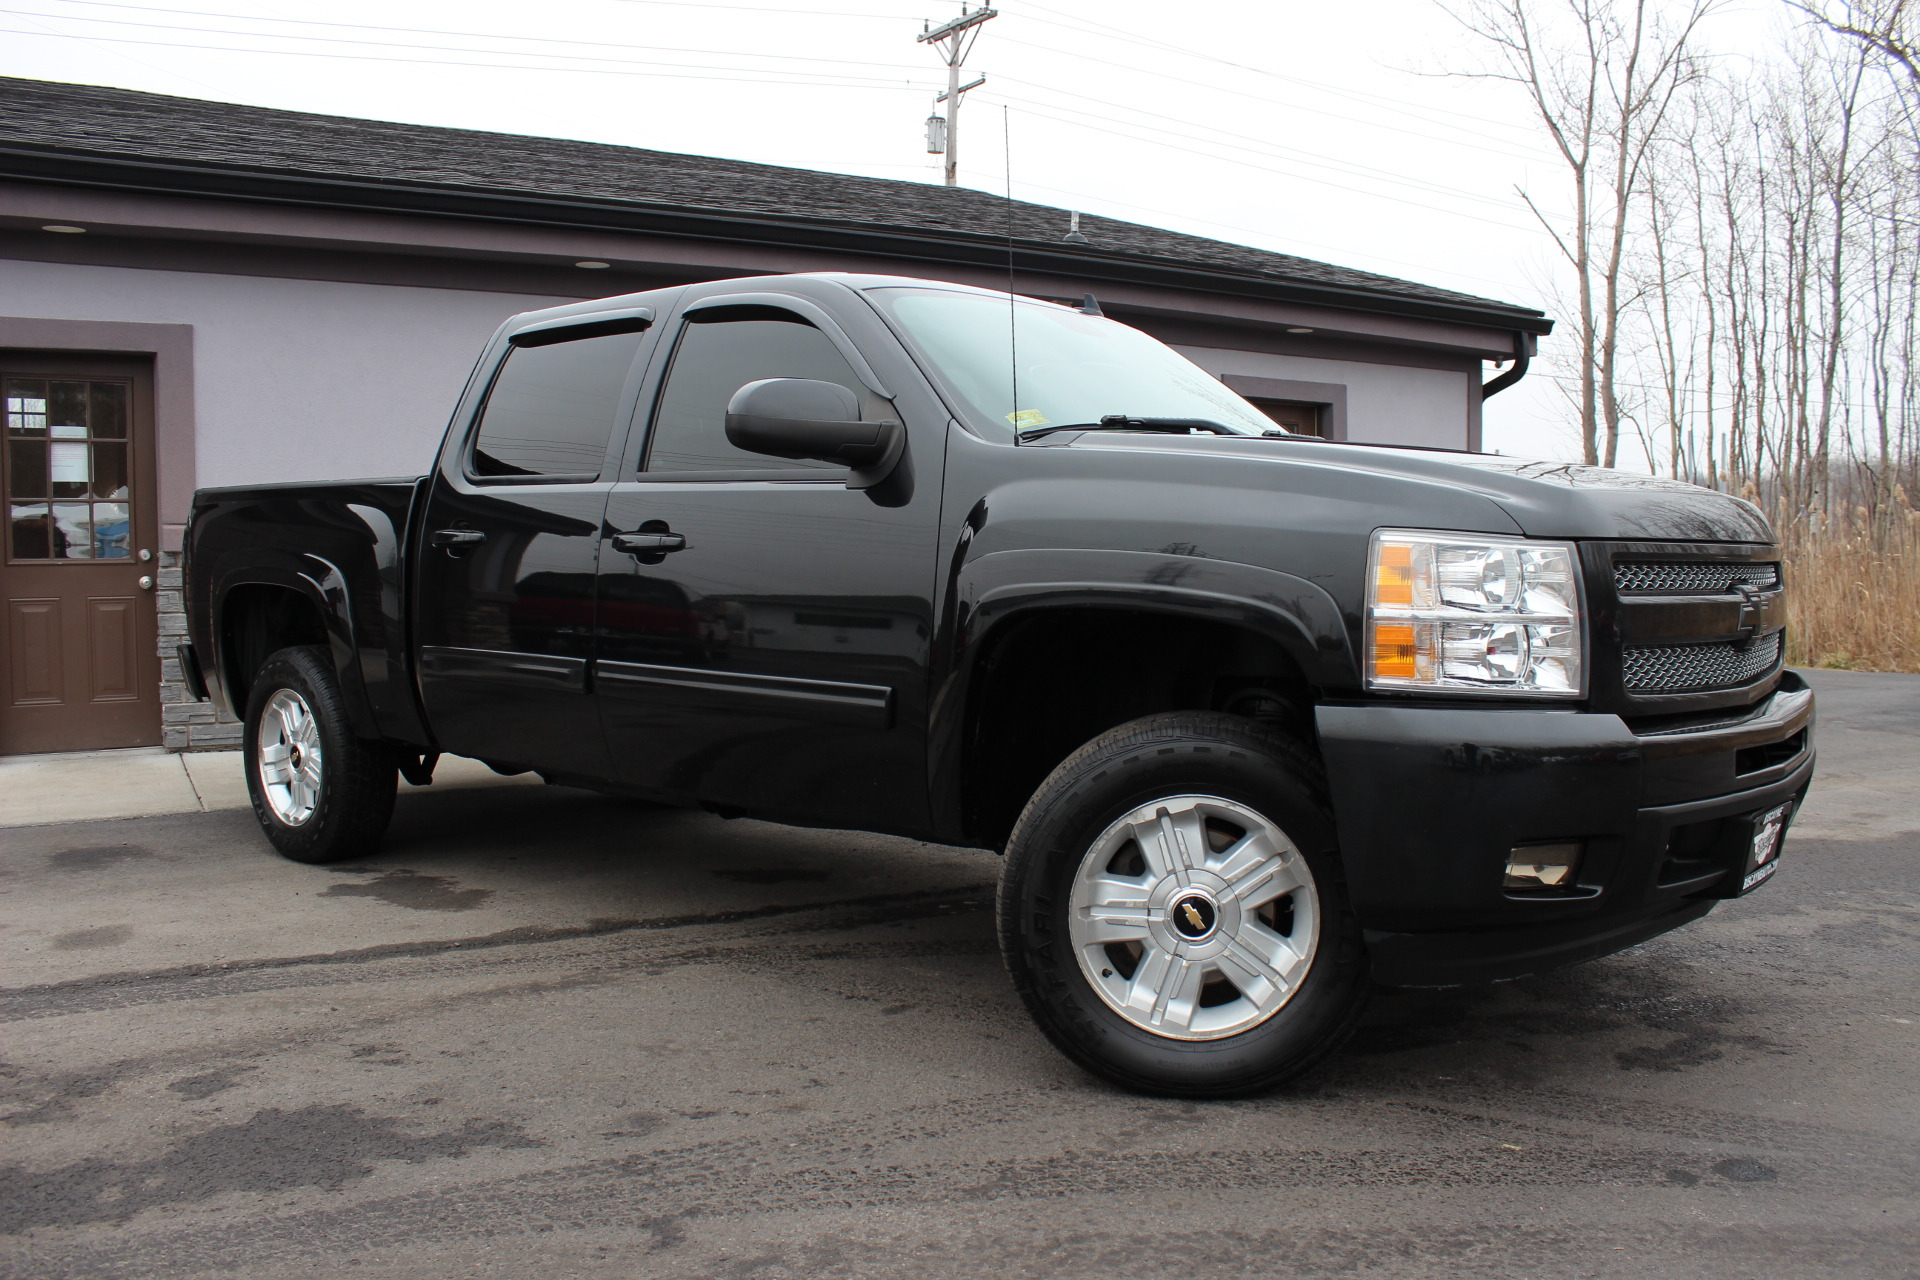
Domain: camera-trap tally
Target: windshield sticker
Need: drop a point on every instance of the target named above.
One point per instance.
(1025, 418)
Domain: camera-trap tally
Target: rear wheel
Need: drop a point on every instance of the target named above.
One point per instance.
(1172, 909)
(320, 793)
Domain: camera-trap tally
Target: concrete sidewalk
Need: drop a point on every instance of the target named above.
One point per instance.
(87, 786)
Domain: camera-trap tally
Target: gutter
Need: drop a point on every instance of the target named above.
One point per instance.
(1523, 344)
(988, 250)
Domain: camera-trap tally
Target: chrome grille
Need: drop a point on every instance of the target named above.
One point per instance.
(1691, 577)
(1681, 668)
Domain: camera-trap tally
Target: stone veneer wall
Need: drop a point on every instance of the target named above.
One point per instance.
(185, 725)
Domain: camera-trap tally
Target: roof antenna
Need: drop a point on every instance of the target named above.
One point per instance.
(1073, 235)
(1013, 311)
(1090, 305)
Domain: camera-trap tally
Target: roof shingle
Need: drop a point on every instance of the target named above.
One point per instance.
(91, 120)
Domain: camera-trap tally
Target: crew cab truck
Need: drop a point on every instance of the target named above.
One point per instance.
(1256, 720)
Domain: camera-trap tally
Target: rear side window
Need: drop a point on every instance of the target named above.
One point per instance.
(715, 358)
(550, 412)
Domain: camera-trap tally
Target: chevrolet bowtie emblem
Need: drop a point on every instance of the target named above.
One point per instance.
(1193, 917)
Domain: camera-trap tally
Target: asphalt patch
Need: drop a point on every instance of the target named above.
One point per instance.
(212, 1082)
(320, 1146)
(107, 935)
(774, 875)
(97, 857)
(414, 891)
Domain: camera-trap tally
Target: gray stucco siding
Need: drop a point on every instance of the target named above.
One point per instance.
(1386, 404)
(293, 379)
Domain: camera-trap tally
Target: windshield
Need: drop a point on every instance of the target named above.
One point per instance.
(1074, 369)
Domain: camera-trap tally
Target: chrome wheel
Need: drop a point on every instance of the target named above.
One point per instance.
(1194, 917)
(288, 743)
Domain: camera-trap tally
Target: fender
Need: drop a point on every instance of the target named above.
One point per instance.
(993, 590)
(320, 582)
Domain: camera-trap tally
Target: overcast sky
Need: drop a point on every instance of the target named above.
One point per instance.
(1325, 130)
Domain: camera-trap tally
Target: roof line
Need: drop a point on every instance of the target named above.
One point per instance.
(258, 185)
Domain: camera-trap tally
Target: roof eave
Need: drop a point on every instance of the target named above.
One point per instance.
(288, 187)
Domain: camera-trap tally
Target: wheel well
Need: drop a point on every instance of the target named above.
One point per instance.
(1048, 683)
(258, 620)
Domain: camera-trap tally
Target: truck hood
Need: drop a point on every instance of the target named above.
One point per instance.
(1546, 499)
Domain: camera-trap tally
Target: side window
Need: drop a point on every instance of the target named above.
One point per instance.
(715, 358)
(550, 412)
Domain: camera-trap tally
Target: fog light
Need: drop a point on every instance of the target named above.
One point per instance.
(1542, 866)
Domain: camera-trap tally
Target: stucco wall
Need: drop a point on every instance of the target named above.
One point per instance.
(1386, 404)
(294, 379)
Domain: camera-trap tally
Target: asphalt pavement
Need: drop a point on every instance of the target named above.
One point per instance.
(546, 1033)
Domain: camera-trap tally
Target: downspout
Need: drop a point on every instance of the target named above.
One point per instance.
(1522, 353)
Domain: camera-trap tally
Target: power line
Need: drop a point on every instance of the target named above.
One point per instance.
(1278, 151)
(770, 78)
(431, 31)
(1190, 145)
(1082, 25)
(953, 40)
(1261, 98)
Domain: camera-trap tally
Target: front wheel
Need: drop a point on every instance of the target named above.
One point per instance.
(320, 793)
(1172, 910)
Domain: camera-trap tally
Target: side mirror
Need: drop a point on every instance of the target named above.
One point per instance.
(802, 418)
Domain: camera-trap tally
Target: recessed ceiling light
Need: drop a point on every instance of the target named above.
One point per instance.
(592, 266)
(1299, 331)
(64, 229)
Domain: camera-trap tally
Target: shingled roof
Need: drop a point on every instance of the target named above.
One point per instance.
(120, 137)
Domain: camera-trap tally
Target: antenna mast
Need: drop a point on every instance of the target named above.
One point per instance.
(953, 41)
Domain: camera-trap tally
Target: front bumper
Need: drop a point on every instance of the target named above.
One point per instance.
(1429, 802)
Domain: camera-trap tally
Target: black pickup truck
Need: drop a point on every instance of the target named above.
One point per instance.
(1256, 719)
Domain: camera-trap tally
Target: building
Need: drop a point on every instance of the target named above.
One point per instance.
(194, 293)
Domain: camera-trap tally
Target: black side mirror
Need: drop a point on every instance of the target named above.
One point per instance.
(803, 418)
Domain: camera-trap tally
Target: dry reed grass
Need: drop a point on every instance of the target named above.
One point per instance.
(1853, 590)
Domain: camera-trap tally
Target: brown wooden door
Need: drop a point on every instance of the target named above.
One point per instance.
(80, 665)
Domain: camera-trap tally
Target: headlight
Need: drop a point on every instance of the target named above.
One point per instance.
(1478, 615)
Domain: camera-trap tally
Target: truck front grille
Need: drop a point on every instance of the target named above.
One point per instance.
(1693, 578)
(1681, 668)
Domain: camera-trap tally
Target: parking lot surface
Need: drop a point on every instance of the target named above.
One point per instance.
(546, 1033)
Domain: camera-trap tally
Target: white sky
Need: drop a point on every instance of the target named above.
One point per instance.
(1312, 128)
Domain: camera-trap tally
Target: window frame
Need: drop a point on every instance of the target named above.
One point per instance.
(553, 333)
(804, 310)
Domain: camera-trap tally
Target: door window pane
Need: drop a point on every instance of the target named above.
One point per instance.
(68, 440)
(717, 358)
(26, 469)
(551, 408)
(27, 408)
(28, 521)
(108, 415)
(72, 531)
(67, 407)
(109, 471)
(112, 531)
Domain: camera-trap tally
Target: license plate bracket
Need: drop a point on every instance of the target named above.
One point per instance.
(1763, 849)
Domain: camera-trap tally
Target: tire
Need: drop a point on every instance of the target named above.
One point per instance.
(320, 793)
(1088, 863)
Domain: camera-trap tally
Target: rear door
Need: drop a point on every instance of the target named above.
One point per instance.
(777, 662)
(509, 544)
(82, 670)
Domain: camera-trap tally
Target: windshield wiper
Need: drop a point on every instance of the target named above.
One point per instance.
(1121, 422)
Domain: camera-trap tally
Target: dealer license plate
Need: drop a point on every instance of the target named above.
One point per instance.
(1763, 859)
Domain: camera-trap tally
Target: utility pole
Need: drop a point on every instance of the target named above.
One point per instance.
(953, 41)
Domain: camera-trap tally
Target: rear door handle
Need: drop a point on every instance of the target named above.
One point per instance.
(458, 537)
(649, 543)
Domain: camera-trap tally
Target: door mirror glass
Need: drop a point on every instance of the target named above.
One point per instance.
(805, 418)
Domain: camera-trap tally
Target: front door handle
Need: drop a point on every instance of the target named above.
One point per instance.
(458, 537)
(641, 544)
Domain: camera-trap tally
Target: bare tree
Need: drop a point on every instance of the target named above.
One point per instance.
(1602, 76)
(1888, 27)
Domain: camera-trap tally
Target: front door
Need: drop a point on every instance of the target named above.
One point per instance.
(82, 670)
(511, 539)
(776, 662)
